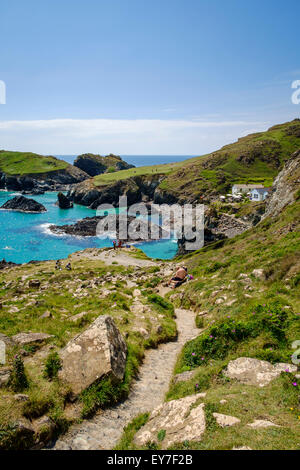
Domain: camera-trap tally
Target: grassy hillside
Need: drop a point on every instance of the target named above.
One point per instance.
(252, 159)
(22, 163)
(256, 158)
(65, 304)
(242, 316)
(139, 171)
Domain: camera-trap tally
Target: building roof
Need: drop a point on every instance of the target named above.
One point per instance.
(248, 186)
(261, 190)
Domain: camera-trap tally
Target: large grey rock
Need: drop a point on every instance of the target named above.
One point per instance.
(24, 339)
(178, 418)
(252, 371)
(97, 352)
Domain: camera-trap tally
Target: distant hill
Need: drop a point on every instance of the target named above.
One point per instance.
(26, 170)
(95, 165)
(256, 158)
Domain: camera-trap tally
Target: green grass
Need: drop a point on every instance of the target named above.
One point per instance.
(22, 163)
(139, 171)
(46, 393)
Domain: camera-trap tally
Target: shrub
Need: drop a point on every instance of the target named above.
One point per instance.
(227, 334)
(52, 365)
(18, 380)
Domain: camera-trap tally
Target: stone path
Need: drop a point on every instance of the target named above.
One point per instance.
(104, 430)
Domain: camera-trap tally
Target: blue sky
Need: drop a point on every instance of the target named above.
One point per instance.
(148, 77)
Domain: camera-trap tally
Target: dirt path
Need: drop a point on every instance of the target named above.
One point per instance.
(105, 429)
(122, 256)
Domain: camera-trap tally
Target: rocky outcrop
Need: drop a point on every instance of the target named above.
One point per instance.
(174, 422)
(95, 165)
(252, 371)
(88, 227)
(40, 182)
(25, 339)
(100, 351)
(285, 188)
(136, 188)
(63, 202)
(23, 204)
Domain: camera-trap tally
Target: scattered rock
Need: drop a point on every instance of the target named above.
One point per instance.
(259, 274)
(222, 402)
(77, 317)
(184, 376)
(5, 374)
(242, 448)
(99, 351)
(47, 314)
(178, 419)
(63, 202)
(23, 204)
(225, 420)
(254, 371)
(21, 397)
(261, 423)
(34, 283)
(30, 338)
(44, 428)
(9, 342)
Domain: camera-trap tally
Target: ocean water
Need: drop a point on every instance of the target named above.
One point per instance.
(26, 237)
(139, 160)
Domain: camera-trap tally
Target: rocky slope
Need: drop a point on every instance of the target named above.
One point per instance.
(95, 165)
(286, 187)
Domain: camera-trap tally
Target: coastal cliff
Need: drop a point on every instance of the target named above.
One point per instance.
(21, 171)
(95, 165)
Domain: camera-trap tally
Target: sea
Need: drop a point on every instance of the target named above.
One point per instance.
(26, 237)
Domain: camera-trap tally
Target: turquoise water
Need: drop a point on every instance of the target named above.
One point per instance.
(25, 237)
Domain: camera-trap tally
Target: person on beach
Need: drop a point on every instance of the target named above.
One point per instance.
(114, 244)
(68, 266)
(58, 265)
(120, 244)
(179, 277)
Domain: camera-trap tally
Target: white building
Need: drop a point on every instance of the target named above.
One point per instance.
(259, 194)
(245, 188)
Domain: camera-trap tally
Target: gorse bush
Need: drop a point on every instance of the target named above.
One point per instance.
(52, 365)
(228, 334)
(19, 381)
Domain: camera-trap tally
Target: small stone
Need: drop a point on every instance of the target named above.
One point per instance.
(34, 283)
(242, 448)
(5, 374)
(261, 423)
(223, 402)
(21, 397)
(47, 314)
(259, 274)
(77, 317)
(225, 420)
(184, 376)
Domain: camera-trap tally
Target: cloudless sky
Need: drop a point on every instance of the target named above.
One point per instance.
(120, 67)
